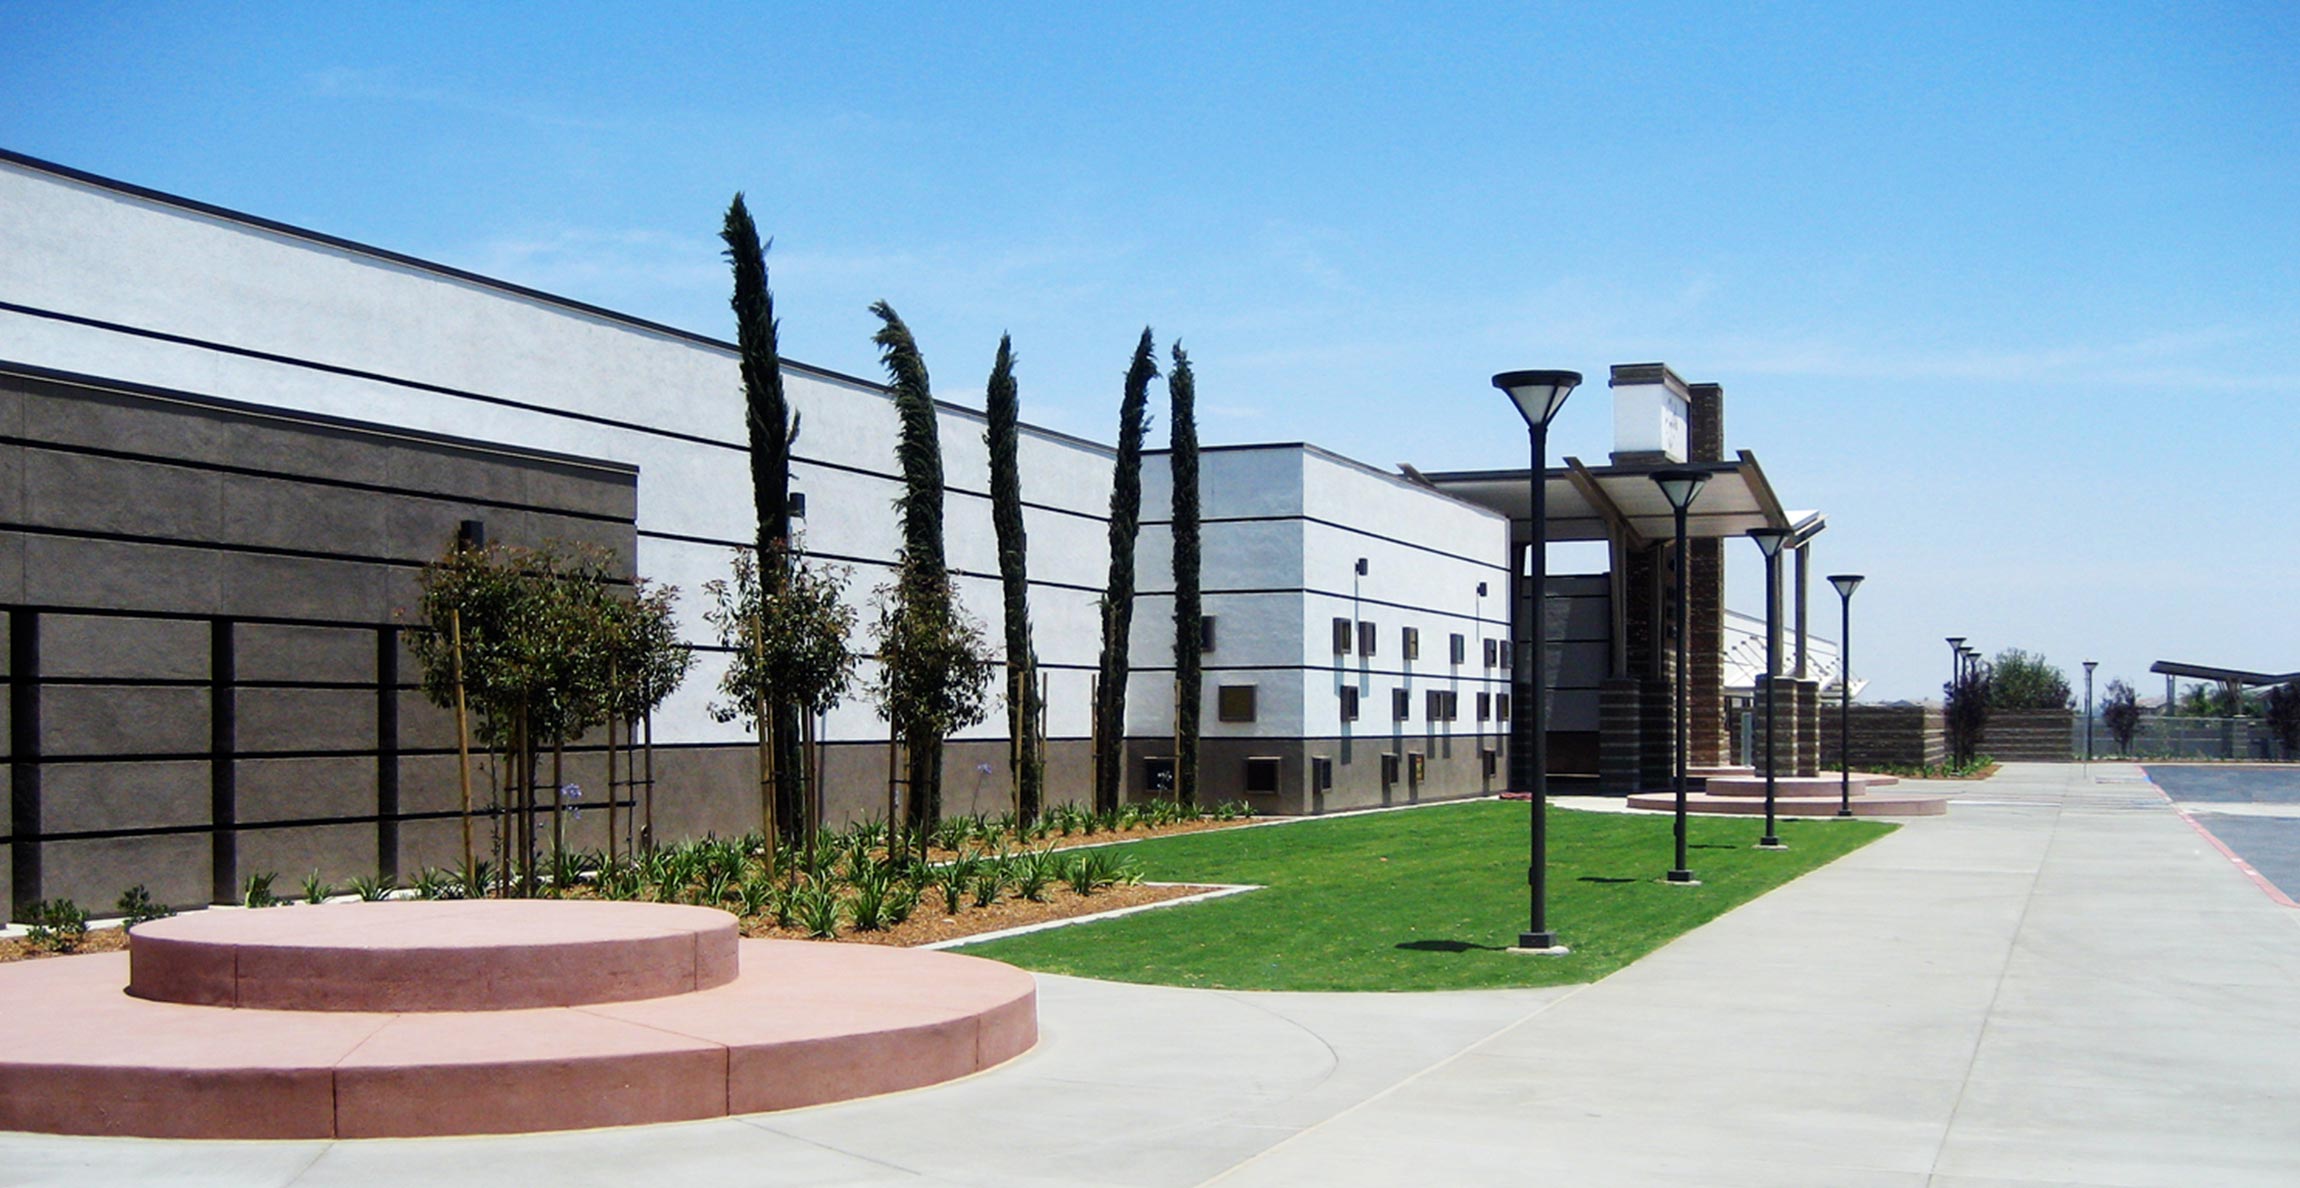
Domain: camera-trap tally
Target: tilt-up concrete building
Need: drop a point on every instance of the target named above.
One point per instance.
(228, 445)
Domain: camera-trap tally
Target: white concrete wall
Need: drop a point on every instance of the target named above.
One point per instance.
(1425, 554)
(534, 373)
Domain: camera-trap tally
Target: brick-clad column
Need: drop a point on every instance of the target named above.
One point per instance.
(1785, 717)
(1708, 742)
(1657, 754)
(1808, 695)
(1620, 735)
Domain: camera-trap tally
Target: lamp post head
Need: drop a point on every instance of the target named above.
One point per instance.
(1680, 487)
(2089, 665)
(1845, 583)
(1770, 540)
(1956, 643)
(1538, 394)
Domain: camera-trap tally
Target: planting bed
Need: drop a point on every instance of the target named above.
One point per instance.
(656, 1013)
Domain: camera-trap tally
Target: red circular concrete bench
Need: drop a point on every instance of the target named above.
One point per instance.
(476, 955)
(800, 1024)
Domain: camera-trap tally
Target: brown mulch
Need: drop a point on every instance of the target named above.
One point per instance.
(930, 923)
(108, 940)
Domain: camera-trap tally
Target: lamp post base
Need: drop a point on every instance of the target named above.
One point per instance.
(1683, 878)
(1844, 812)
(1541, 944)
(1771, 843)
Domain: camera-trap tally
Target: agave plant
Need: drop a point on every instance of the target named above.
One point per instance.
(372, 889)
(1034, 872)
(757, 895)
(816, 910)
(869, 905)
(256, 892)
(315, 888)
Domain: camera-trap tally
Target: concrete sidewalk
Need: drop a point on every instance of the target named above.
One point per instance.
(2060, 982)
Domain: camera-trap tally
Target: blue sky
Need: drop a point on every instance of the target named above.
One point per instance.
(2010, 291)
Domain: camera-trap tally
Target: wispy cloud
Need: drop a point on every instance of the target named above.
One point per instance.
(387, 86)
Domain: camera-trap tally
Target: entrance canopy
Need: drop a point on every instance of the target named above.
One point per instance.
(2225, 676)
(1622, 502)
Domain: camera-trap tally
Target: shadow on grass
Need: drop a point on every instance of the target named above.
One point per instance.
(1602, 879)
(1448, 946)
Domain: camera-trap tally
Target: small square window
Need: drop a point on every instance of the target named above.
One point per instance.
(1365, 638)
(1401, 704)
(1501, 707)
(1484, 707)
(1458, 649)
(1433, 706)
(1234, 703)
(1417, 768)
(1342, 632)
(1411, 640)
(1321, 773)
(1507, 650)
(1205, 633)
(1452, 705)
(1349, 703)
(1389, 768)
(1492, 646)
(1489, 760)
(1262, 773)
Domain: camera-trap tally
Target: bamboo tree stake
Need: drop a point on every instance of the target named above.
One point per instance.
(647, 720)
(462, 732)
(558, 794)
(766, 751)
(611, 789)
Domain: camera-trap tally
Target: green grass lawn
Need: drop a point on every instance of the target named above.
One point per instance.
(1425, 900)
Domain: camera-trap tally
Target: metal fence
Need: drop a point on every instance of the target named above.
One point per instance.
(2179, 737)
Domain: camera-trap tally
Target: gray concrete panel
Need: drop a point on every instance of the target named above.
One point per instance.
(299, 789)
(117, 647)
(273, 652)
(302, 588)
(284, 514)
(338, 852)
(93, 873)
(91, 797)
(122, 719)
(85, 493)
(305, 720)
(60, 571)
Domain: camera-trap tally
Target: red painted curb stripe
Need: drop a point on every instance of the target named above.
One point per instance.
(2259, 880)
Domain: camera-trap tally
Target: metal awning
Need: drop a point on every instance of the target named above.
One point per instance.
(2225, 676)
(1622, 502)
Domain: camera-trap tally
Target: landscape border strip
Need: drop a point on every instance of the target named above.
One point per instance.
(1218, 891)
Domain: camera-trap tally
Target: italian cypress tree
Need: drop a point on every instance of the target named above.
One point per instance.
(922, 588)
(1003, 406)
(773, 428)
(1182, 431)
(1118, 595)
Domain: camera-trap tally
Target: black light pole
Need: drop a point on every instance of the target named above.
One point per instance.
(2089, 665)
(1956, 660)
(1680, 488)
(1845, 583)
(1538, 395)
(1770, 540)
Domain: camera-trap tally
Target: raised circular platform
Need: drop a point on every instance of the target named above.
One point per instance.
(1799, 796)
(469, 955)
(799, 1024)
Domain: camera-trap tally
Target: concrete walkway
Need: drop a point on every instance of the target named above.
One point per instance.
(2059, 983)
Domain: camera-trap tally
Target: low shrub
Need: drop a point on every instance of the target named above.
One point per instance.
(315, 889)
(136, 907)
(56, 925)
(370, 890)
